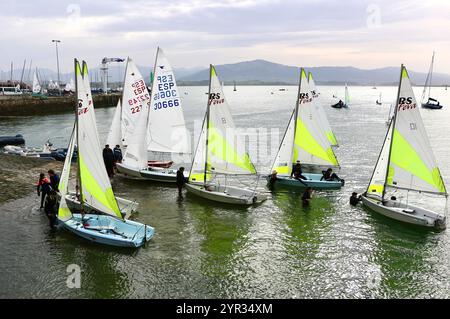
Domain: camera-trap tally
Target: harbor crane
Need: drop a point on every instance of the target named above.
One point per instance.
(104, 71)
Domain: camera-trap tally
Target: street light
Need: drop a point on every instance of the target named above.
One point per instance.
(57, 64)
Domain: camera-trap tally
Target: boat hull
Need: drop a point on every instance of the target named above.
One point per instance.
(162, 175)
(313, 181)
(409, 214)
(108, 230)
(126, 206)
(338, 106)
(432, 106)
(227, 195)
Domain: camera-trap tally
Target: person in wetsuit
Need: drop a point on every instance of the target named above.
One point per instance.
(297, 172)
(306, 197)
(54, 179)
(108, 158)
(51, 208)
(180, 181)
(43, 188)
(329, 176)
(355, 199)
(272, 179)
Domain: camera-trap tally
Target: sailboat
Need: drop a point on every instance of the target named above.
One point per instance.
(234, 84)
(340, 104)
(37, 89)
(305, 142)
(104, 222)
(323, 120)
(379, 100)
(219, 154)
(406, 162)
(427, 101)
(164, 128)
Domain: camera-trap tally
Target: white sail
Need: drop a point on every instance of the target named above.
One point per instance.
(136, 152)
(323, 120)
(96, 190)
(283, 160)
(347, 96)
(377, 182)
(135, 98)
(36, 85)
(115, 131)
(64, 211)
(226, 150)
(167, 130)
(197, 172)
(311, 146)
(412, 164)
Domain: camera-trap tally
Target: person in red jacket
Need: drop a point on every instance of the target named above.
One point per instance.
(43, 188)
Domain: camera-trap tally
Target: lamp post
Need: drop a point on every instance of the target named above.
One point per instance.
(57, 64)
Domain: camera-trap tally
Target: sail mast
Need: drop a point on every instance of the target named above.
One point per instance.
(78, 180)
(431, 75)
(211, 68)
(295, 117)
(393, 121)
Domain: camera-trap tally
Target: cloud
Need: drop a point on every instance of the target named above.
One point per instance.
(196, 32)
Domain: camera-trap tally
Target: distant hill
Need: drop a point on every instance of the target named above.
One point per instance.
(256, 72)
(265, 72)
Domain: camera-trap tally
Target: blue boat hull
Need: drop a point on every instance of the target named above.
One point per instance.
(313, 181)
(108, 230)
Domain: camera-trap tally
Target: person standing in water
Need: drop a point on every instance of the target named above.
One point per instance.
(180, 181)
(108, 158)
(307, 196)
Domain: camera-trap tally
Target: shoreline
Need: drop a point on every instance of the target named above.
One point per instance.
(19, 175)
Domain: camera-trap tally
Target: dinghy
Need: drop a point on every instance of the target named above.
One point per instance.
(220, 157)
(12, 140)
(340, 104)
(322, 117)
(160, 128)
(305, 142)
(406, 163)
(103, 223)
(427, 101)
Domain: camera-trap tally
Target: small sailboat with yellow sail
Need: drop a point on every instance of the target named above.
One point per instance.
(306, 143)
(406, 163)
(95, 214)
(220, 158)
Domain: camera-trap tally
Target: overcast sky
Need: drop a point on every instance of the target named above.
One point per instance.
(193, 33)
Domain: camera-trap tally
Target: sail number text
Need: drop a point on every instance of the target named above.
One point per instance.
(141, 96)
(165, 90)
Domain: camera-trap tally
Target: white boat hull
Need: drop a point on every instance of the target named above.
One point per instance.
(108, 230)
(126, 206)
(405, 213)
(226, 194)
(156, 174)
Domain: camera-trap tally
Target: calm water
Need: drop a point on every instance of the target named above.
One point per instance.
(278, 249)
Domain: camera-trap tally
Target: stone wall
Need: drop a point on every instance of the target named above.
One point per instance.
(28, 105)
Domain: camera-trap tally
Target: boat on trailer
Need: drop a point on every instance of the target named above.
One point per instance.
(406, 163)
(220, 154)
(104, 221)
(306, 142)
(161, 129)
